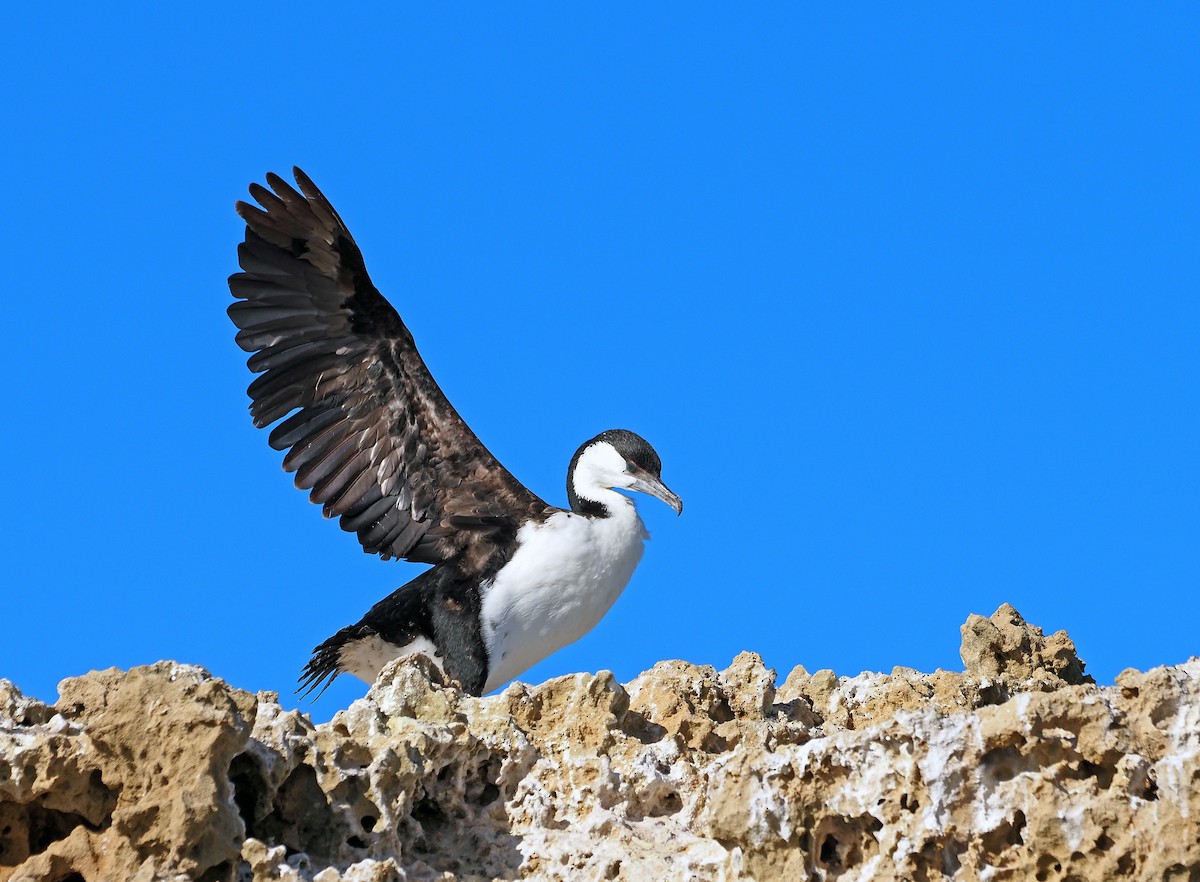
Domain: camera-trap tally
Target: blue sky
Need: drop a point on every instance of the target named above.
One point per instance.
(905, 298)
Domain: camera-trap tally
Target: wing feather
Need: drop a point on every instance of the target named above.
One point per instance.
(366, 429)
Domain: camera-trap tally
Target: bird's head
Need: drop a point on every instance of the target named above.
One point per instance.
(615, 460)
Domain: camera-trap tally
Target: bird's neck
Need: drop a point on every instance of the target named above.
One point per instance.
(589, 483)
(597, 502)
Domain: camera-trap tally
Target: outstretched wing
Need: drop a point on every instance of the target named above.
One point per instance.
(373, 438)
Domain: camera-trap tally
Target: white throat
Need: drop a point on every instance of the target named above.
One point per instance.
(597, 471)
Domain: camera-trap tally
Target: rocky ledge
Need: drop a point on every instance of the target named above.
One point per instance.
(1018, 768)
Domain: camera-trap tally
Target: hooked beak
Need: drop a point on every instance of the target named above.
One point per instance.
(658, 490)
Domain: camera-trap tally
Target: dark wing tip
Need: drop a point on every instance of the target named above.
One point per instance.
(278, 184)
(303, 180)
(320, 672)
(246, 211)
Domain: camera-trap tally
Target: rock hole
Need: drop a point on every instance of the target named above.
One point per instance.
(946, 855)
(722, 712)
(222, 872)
(847, 841)
(613, 871)
(368, 822)
(638, 726)
(1046, 863)
(429, 815)
(1018, 824)
(479, 784)
(297, 816)
(356, 842)
(29, 829)
(1102, 774)
(1150, 790)
(1007, 835)
(829, 852)
(1004, 763)
(995, 693)
(1163, 711)
(952, 857)
(1180, 873)
(248, 791)
(667, 804)
(107, 796)
(1103, 843)
(714, 743)
(47, 826)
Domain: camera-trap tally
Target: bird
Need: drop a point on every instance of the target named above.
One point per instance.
(370, 435)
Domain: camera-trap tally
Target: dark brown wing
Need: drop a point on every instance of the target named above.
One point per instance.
(374, 440)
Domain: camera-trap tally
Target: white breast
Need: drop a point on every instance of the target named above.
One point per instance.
(563, 578)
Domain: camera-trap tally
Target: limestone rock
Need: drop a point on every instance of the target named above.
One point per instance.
(1019, 768)
(1008, 653)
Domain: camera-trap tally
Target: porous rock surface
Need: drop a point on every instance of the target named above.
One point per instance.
(1018, 768)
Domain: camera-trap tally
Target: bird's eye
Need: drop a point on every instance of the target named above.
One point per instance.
(629, 466)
